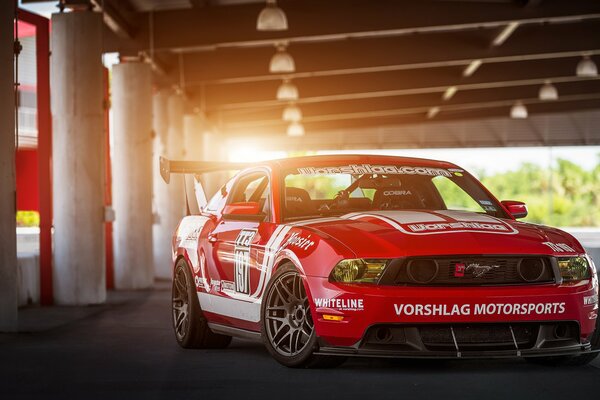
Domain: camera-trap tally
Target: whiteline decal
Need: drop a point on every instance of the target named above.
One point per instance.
(341, 304)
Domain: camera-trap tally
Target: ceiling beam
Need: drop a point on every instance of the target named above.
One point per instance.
(261, 94)
(206, 28)
(418, 103)
(378, 119)
(394, 53)
(118, 18)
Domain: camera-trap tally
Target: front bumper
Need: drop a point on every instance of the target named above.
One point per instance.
(498, 340)
(360, 307)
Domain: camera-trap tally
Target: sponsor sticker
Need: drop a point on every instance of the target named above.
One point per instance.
(590, 300)
(227, 286)
(397, 193)
(560, 247)
(375, 169)
(498, 309)
(341, 304)
(241, 257)
(459, 226)
(303, 243)
(459, 270)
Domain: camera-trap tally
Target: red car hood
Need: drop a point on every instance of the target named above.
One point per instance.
(402, 233)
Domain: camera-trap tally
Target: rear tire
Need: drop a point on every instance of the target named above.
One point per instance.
(190, 325)
(287, 325)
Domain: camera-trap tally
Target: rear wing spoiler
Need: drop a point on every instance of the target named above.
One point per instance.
(168, 167)
(195, 196)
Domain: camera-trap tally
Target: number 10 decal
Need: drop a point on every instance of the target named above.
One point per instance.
(242, 260)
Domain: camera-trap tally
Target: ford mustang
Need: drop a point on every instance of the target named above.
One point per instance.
(326, 257)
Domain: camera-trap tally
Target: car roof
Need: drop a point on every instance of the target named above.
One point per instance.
(347, 159)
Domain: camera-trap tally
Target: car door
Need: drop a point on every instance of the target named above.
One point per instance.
(237, 237)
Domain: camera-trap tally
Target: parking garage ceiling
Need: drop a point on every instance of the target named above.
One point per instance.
(370, 67)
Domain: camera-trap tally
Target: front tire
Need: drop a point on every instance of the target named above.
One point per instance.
(190, 325)
(287, 324)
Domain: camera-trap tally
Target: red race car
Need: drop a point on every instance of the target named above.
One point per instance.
(331, 256)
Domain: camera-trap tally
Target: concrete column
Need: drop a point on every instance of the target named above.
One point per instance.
(78, 158)
(132, 177)
(214, 150)
(160, 236)
(193, 133)
(8, 235)
(169, 199)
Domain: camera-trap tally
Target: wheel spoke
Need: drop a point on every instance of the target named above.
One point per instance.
(181, 282)
(282, 338)
(278, 319)
(298, 285)
(291, 295)
(294, 341)
(180, 320)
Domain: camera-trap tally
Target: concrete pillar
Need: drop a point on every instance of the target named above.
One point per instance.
(193, 133)
(78, 158)
(214, 150)
(160, 191)
(169, 200)
(8, 234)
(132, 177)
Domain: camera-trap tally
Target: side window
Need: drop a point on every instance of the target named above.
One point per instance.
(454, 196)
(253, 188)
(217, 202)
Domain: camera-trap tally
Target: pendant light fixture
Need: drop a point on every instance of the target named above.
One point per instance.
(292, 113)
(518, 111)
(295, 129)
(282, 61)
(586, 68)
(548, 92)
(287, 91)
(271, 18)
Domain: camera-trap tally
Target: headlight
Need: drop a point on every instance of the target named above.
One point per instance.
(358, 271)
(574, 268)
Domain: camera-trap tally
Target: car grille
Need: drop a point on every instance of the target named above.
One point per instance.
(469, 271)
(496, 336)
(470, 337)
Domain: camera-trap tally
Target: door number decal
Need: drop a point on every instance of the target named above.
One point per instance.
(242, 260)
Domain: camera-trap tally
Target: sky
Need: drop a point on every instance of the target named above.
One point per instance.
(491, 160)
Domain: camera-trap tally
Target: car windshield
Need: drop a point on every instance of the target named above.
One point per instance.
(312, 192)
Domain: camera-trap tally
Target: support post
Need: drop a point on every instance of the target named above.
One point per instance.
(160, 191)
(132, 111)
(8, 233)
(78, 162)
(169, 203)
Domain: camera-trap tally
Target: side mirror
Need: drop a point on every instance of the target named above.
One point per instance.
(517, 209)
(248, 211)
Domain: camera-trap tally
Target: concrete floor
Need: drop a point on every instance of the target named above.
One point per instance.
(126, 350)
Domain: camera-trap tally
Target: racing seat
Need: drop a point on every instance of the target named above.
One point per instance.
(396, 198)
(298, 203)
